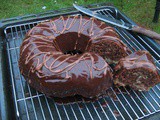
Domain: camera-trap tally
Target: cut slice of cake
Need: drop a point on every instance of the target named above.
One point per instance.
(137, 71)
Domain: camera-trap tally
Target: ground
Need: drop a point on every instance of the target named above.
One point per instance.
(140, 11)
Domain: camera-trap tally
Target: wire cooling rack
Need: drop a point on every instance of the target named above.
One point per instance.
(121, 103)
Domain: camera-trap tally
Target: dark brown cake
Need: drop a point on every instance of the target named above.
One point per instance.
(58, 57)
(137, 71)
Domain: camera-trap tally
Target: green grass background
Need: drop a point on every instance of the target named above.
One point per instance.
(140, 11)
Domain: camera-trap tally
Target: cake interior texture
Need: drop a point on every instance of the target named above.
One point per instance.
(137, 71)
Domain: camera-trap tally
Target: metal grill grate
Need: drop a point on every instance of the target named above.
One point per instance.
(126, 103)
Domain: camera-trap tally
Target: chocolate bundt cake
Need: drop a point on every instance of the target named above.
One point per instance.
(137, 71)
(62, 57)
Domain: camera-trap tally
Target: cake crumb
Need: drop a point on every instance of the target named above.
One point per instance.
(116, 113)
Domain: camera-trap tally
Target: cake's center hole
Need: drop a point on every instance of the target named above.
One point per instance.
(72, 43)
(73, 52)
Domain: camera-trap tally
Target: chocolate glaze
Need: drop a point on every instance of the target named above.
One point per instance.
(46, 66)
(137, 71)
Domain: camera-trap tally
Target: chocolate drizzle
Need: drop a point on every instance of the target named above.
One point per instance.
(45, 66)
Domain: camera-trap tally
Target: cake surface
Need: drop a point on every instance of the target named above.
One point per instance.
(137, 71)
(63, 56)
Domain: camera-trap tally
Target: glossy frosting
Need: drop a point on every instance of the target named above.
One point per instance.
(46, 66)
(137, 71)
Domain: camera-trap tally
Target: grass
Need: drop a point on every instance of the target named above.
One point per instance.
(140, 11)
